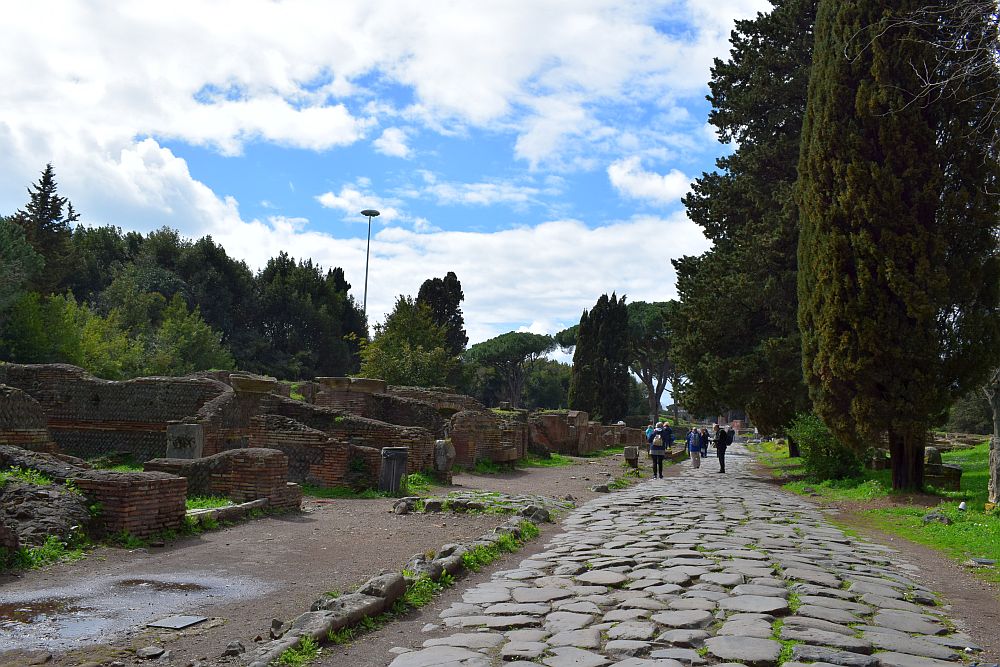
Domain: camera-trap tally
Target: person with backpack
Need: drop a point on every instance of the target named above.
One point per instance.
(694, 447)
(658, 447)
(722, 440)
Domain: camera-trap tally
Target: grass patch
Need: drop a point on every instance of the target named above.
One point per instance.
(872, 484)
(314, 491)
(794, 602)
(207, 502)
(307, 651)
(973, 533)
(485, 467)
(418, 483)
(550, 461)
(26, 475)
(601, 453)
(786, 650)
(774, 455)
(975, 463)
(53, 550)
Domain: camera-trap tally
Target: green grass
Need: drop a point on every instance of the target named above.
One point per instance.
(340, 492)
(307, 651)
(975, 463)
(974, 534)
(53, 550)
(27, 475)
(601, 453)
(484, 467)
(418, 483)
(207, 502)
(872, 484)
(774, 455)
(550, 461)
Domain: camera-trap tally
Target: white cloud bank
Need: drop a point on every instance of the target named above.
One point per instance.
(630, 179)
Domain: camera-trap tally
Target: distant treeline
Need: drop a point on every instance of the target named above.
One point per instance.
(122, 304)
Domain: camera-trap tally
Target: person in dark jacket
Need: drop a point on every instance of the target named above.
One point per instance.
(722, 440)
(694, 447)
(658, 443)
(703, 441)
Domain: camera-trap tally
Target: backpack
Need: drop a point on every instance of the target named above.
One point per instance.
(657, 441)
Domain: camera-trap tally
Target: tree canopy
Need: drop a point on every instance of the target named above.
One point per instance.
(510, 355)
(409, 348)
(600, 382)
(444, 296)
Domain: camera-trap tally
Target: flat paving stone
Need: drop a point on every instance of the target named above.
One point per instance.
(569, 656)
(824, 638)
(747, 650)
(525, 650)
(906, 621)
(469, 640)
(807, 653)
(439, 656)
(893, 659)
(626, 648)
(602, 578)
(585, 638)
(755, 603)
(910, 645)
(635, 630)
(692, 618)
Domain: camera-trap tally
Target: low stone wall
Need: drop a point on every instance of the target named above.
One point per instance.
(22, 422)
(443, 399)
(476, 436)
(141, 503)
(314, 457)
(241, 475)
(560, 432)
(406, 412)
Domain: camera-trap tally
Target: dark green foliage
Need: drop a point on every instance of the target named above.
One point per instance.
(409, 348)
(735, 337)
(600, 381)
(822, 456)
(510, 355)
(444, 297)
(970, 413)
(546, 385)
(99, 254)
(18, 264)
(566, 339)
(650, 350)
(304, 318)
(897, 252)
(47, 223)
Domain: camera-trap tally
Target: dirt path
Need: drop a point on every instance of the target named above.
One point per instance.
(241, 577)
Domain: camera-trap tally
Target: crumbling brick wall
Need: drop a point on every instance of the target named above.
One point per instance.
(442, 398)
(476, 436)
(241, 475)
(406, 412)
(359, 431)
(314, 457)
(22, 422)
(140, 503)
(90, 417)
(514, 432)
(561, 432)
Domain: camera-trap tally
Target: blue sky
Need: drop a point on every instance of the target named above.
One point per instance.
(538, 148)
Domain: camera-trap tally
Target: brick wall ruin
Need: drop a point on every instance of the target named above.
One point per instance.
(314, 457)
(570, 432)
(23, 422)
(141, 503)
(89, 417)
(241, 475)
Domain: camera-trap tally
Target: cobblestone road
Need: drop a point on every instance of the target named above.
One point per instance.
(700, 569)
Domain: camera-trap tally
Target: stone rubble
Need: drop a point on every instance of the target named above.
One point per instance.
(700, 569)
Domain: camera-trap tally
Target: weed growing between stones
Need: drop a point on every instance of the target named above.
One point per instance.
(207, 502)
(53, 550)
(776, 628)
(26, 475)
(794, 602)
(786, 650)
(307, 651)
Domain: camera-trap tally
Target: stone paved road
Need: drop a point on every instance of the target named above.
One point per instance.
(699, 569)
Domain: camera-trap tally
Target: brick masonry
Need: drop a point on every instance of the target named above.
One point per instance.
(23, 422)
(241, 475)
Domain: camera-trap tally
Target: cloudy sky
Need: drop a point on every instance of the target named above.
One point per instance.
(538, 148)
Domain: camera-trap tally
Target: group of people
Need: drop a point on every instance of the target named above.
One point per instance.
(660, 437)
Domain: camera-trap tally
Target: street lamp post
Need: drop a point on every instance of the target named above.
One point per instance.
(371, 213)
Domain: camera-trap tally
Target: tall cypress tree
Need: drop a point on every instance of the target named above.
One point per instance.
(735, 336)
(600, 380)
(444, 297)
(890, 323)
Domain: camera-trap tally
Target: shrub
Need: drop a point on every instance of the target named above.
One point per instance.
(823, 457)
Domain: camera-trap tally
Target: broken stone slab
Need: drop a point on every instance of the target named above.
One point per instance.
(893, 659)
(348, 609)
(911, 645)
(452, 564)
(583, 638)
(685, 656)
(150, 652)
(684, 638)
(908, 622)
(807, 653)
(268, 653)
(234, 648)
(818, 624)
(522, 650)
(824, 638)
(470, 640)
(570, 656)
(692, 618)
(390, 587)
(438, 656)
(755, 604)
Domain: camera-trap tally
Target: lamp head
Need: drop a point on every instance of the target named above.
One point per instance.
(370, 212)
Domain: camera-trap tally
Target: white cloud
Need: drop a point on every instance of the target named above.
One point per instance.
(392, 142)
(543, 275)
(352, 199)
(630, 179)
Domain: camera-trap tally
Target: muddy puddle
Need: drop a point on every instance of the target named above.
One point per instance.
(106, 608)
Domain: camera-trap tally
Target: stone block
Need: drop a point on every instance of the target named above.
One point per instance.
(943, 476)
(185, 441)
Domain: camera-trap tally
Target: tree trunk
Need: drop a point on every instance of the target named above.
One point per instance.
(906, 456)
(793, 448)
(992, 391)
(654, 402)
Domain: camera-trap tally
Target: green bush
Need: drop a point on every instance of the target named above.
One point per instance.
(823, 457)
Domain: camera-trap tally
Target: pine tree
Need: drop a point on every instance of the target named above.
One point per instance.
(600, 381)
(735, 336)
(444, 297)
(47, 222)
(893, 305)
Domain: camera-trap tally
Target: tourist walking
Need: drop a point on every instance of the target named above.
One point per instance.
(649, 432)
(721, 443)
(703, 439)
(694, 447)
(658, 448)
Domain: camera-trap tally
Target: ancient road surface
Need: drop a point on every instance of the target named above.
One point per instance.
(698, 569)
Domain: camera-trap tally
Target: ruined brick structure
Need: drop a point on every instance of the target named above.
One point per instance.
(241, 475)
(570, 432)
(22, 421)
(141, 503)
